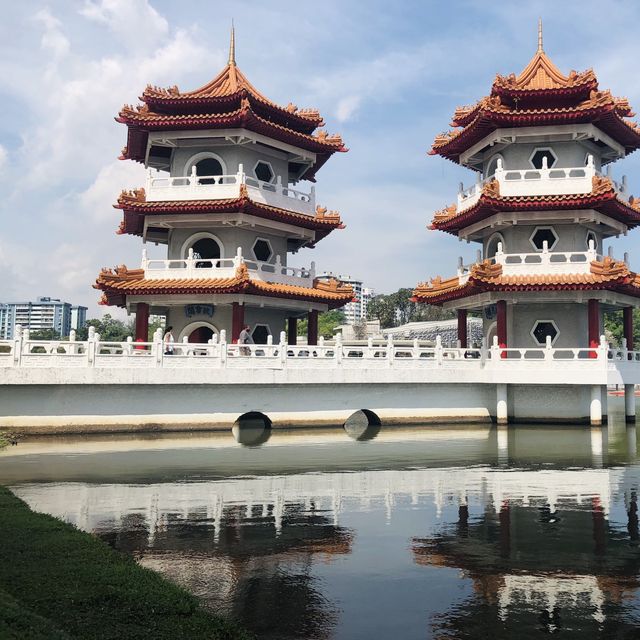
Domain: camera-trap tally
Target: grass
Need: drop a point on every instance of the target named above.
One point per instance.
(57, 582)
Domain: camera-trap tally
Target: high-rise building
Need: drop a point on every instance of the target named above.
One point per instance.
(44, 314)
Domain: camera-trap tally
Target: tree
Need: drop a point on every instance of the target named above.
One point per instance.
(109, 328)
(327, 323)
(394, 309)
(614, 329)
(44, 334)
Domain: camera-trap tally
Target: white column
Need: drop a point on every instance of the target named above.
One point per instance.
(502, 407)
(630, 402)
(596, 405)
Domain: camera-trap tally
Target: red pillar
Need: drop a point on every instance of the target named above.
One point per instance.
(501, 308)
(594, 325)
(462, 327)
(312, 328)
(237, 321)
(142, 322)
(292, 331)
(627, 318)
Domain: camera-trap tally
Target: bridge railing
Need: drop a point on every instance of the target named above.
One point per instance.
(25, 352)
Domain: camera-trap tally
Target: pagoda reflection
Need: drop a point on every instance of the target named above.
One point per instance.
(537, 568)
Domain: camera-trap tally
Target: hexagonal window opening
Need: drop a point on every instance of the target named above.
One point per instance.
(538, 156)
(542, 329)
(262, 250)
(263, 171)
(592, 237)
(260, 333)
(541, 234)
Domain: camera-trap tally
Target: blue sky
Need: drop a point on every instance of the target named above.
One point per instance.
(387, 76)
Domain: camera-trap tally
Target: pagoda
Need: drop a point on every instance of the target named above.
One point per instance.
(222, 161)
(541, 209)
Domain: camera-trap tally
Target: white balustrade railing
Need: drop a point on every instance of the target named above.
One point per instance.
(195, 267)
(540, 262)
(24, 352)
(194, 187)
(539, 182)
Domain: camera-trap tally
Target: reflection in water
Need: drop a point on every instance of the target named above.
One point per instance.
(458, 533)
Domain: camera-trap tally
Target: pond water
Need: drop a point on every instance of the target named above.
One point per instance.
(424, 532)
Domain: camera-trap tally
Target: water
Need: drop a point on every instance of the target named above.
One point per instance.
(461, 532)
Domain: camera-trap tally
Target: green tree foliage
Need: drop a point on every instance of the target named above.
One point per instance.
(327, 322)
(44, 334)
(614, 329)
(109, 328)
(394, 309)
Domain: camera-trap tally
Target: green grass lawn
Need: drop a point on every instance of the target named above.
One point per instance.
(57, 582)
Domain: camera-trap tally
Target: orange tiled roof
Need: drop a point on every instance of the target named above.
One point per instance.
(539, 95)
(487, 276)
(120, 282)
(135, 207)
(603, 198)
(228, 85)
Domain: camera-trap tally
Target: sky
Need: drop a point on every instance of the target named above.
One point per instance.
(386, 76)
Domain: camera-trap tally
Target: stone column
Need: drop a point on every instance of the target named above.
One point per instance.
(142, 322)
(630, 402)
(596, 405)
(593, 312)
(237, 321)
(292, 331)
(627, 322)
(501, 317)
(502, 406)
(312, 328)
(462, 327)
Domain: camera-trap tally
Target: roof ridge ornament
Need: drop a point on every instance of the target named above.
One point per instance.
(540, 48)
(232, 45)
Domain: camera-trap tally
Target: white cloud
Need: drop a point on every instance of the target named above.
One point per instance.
(134, 22)
(347, 107)
(53, 40)
(3, 158)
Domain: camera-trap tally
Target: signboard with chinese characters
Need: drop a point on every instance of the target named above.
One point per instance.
(191, 310)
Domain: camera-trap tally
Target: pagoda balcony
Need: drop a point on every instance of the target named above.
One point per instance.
(538, 182)
(543, 262)
(195, 187)
(194, 267)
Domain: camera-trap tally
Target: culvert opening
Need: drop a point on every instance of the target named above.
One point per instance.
(364, 424)
(252, 429)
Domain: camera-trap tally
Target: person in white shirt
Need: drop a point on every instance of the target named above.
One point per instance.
(245, 338)
(168, 342)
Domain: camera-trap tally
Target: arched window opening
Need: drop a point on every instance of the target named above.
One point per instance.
(591, 237)
(492, 166)
(492, 245)
(205, 251)
(208, 167)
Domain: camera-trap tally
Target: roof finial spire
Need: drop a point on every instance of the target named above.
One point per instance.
(540, 49)
(232, 45)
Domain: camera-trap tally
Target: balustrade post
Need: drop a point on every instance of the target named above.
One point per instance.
(548, 352)
(338, 347)
(71, 349)
(223, 348)
(438, 349)
(416, 349)
(279, 188)
(17, 346)
(322, 350)
(158, 347)
(483, 351)
(312, 270)
(312, 197)
(495, 350)
(390, 353)
(603, 348)
(129, 349)
(283, 348)
(190, 263)
(91, 346)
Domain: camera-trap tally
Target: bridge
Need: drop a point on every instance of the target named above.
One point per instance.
(66, 385)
